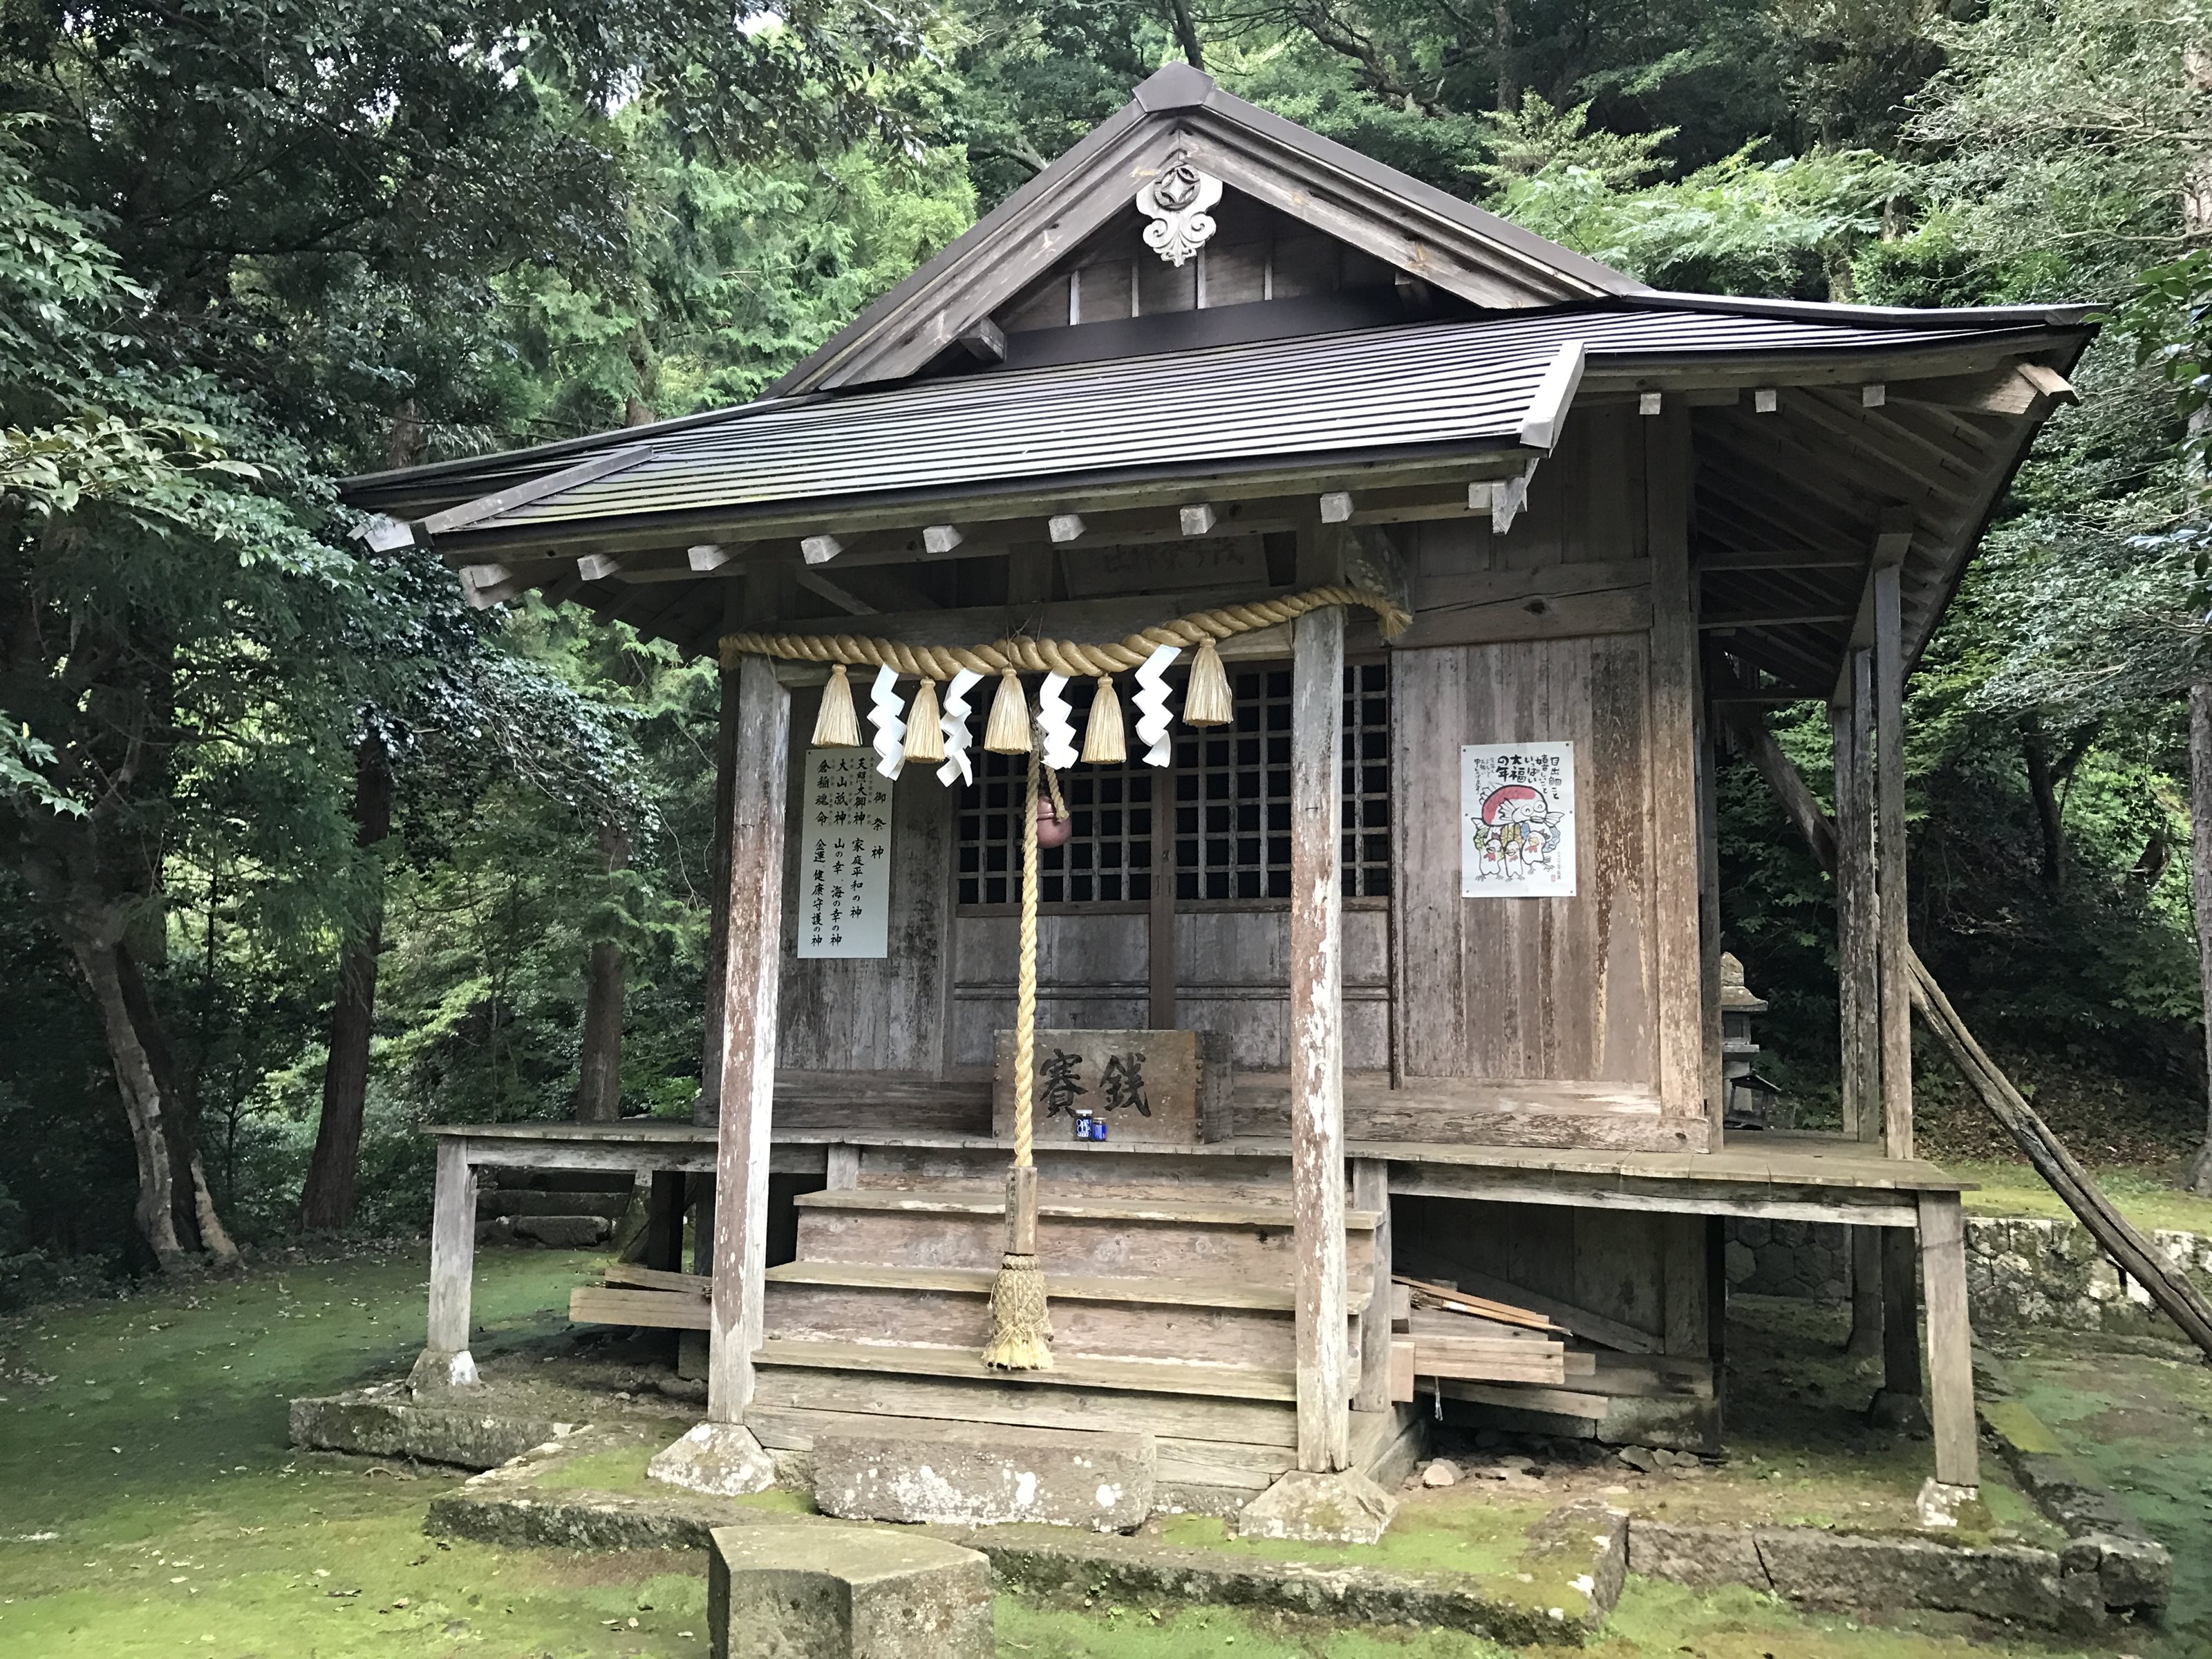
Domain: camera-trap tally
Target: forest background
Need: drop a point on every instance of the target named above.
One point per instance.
(298, 853)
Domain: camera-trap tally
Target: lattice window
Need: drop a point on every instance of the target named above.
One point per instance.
(1108, 858)
(1230, 787)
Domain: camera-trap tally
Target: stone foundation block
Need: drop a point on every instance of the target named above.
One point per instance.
(722, 1459)
(1344, 1507)
(1832, 1570)
(567, 1232)
(831, 1592)
(1703, 1558)
(983, 1474)
(387, 1422)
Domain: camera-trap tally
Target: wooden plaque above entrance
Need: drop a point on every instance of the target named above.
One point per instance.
(1139, 1088)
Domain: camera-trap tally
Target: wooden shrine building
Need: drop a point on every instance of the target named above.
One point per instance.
(1438, 905)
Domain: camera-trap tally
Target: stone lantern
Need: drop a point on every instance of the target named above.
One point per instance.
(1748, 1101)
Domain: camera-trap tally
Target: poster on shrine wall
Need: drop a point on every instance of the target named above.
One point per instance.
(845, 856)
(1516, 820)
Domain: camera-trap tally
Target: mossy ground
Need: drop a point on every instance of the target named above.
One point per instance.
(2146, 1194)
(149, 1505)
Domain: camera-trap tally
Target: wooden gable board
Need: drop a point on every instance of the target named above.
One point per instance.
(1180, 114)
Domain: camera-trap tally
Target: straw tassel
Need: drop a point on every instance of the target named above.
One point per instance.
(1206, 701)
(1008, 732)
(1101, 736)
(836, 726)
(925, 738)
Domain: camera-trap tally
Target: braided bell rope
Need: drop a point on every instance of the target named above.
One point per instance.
(1026, 1001)
(1027, 656)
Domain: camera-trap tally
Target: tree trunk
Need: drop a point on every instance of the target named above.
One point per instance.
(2043, 785)
(1185, 32)
(176, 1212)
(599, 1082)
(2199, 1176)
(1509, 83)
(326, 1200)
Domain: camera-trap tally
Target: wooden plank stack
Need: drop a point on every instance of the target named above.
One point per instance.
(644, 1295)
(1450, 1333)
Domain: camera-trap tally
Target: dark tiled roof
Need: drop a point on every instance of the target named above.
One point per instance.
(1463, 384)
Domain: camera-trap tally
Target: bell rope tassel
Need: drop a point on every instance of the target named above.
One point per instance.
(1101, 734)
(1008, 732)
(1021, 1322)
(1151, 701)
(836, 726)
(890, 729)
(924, 741)
(953, 723)
(1206, 701)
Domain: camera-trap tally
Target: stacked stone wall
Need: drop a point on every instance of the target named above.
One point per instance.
(2020, 1270)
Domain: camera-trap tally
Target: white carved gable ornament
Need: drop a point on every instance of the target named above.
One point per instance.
(1176, 204)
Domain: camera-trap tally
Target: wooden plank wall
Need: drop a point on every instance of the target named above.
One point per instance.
(1533, 988)
(1257, 253)
(1232, 976)
(863, 1016)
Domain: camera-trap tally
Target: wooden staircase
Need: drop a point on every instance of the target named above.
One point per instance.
(1172, 1312)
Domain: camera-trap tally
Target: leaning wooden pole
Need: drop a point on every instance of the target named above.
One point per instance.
(2176, 1296)
(1021, 1323)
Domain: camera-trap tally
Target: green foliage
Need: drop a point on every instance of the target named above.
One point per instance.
(1784, 229)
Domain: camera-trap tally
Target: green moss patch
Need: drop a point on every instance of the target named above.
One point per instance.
(2146, 1196)
(1457, 1530)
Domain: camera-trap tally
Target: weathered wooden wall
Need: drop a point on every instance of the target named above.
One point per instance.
(1541, 634)
(1256, 254)
(1232, 976)
(1544, 633)
(873, 1016)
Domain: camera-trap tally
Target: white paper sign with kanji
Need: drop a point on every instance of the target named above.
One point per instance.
(845, 856)
(1516, 820)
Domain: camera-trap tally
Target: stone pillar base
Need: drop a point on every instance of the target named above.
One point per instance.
(442, 1368)
(1343, 1507)
(1903, 1413)
(720, 1459)
(1940, 1505)
(868, 1592)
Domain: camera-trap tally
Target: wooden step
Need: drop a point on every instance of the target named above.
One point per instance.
(1215, 1321)
(1113, 1237)
(1142, 1375)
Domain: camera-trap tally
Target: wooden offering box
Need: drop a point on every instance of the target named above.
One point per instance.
(1147, 1088)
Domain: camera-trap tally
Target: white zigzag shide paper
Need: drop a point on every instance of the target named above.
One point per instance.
(1151, 701)
(891, 726)
(953, 722)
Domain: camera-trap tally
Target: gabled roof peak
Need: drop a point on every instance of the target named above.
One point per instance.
(1174, 86)
(1180, 115)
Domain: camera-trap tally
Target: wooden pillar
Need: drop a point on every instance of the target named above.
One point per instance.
(453, 1265)
(1370, 1190)
(1709, 910)
(759, 773)
(1889, 864)
(1858, 954)
(1901, 1321)
(1673, 769)
(718, 905)
(1858, 977)
(1950, 1340)
(1317, 1040)
(841, 1168)
(664, 1224)
(1866, 1291)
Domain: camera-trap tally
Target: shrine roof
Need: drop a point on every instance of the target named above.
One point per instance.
(1383, 392)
